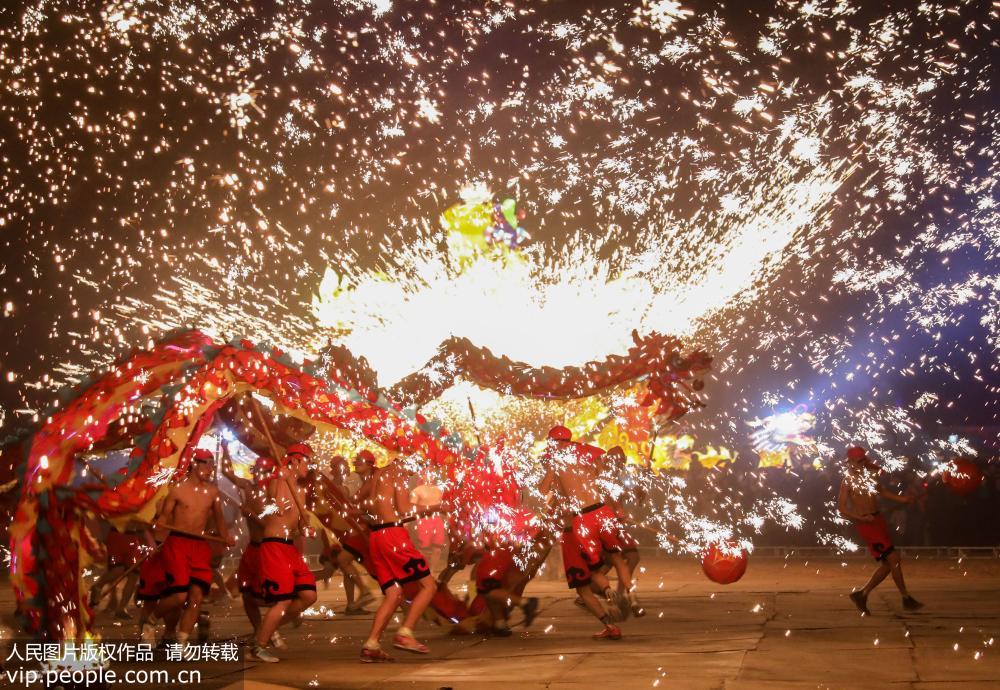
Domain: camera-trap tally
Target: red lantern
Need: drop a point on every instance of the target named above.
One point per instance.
(724, 564)
(962, 476)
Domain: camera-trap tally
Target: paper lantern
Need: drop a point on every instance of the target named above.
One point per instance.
(724, 564)
(962, 476)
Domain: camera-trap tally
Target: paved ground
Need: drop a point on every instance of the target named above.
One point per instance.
(787, 624)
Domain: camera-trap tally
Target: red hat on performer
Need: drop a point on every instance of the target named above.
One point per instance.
(302, 449)
(856, 454)
(264, 464)
(365, 455)
(560, 433)
(202, 455)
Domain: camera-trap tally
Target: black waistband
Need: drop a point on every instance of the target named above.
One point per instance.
(386, 525)
(277, 540)
(186, 536)
(591, 509)
(253, 543)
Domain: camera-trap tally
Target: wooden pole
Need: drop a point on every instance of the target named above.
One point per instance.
(274, 451)
(178, 530)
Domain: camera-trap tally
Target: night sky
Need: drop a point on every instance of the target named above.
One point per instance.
(165, 167)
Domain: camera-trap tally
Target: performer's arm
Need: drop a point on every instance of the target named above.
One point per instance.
(220, 521)
(545, 486)
(166, 508)
(893, 496)
(243, 485)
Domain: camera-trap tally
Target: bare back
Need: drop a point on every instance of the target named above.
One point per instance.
(254, 505)
(389, 500)
(576, 475)
(281, 509)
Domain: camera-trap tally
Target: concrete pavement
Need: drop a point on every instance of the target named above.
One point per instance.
(787, 624)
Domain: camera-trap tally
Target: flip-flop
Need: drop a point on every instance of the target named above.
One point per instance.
(409, 644)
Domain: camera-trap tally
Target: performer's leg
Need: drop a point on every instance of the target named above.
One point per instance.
(896, 570)
(345, 561)
(107, 576)
(128, 592)
(498, 602)
(384, 613)
(189, 616)
(621, 567)
(252, 609)
(876, 579)
(271, 621)
(631, 559)
(303, 600)
(420, 602)
(170, 606)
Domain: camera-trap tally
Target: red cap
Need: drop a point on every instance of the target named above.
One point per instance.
(202, 455)
(264, 464)
(560, 433)
(302, 449)
(365, 455)
(856, 454)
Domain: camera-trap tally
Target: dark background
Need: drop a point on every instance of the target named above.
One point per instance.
(108, 207)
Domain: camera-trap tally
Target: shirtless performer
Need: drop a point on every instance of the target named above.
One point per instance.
(285, 582)
(859, 491)
(580, 577)
(124, 550)
(573, 468)
(394, 559)
(178, 577)
(500, 581)
(354, 541)
(619, 474)
(253, 493)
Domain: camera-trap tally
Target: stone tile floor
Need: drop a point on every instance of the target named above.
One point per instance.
(787, 624)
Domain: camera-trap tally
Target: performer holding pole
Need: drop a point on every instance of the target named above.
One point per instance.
(285, 581)
(395, 560)
(174, 582)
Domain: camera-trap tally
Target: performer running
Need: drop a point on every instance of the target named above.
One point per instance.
(857, 501)
(619, 475)
(125, 551)
(253, 493)
(285, 581)
(574, 468)
(500, 581)
(580, 577)
(394, 559)
(179, 576)
(353, 547)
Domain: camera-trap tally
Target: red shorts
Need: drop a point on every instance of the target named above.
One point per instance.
(152, 578)
(394, 558)
(124, 548)
(576, 567)
(876, 534)
(248, 572)
(597, 527)
(431, 532)
(283, 571)
(493, 570)
(186, 563)
(629, 542)
(357, 545)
